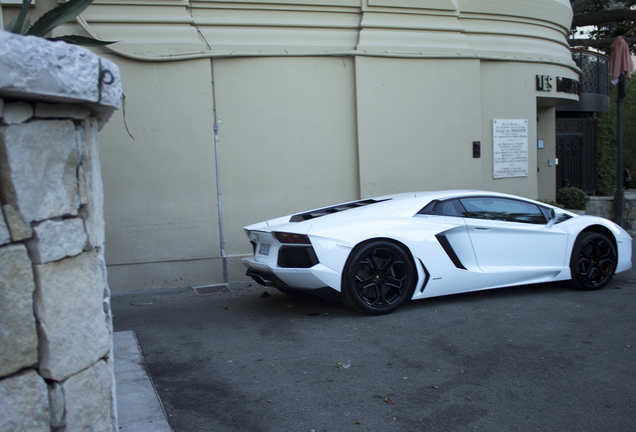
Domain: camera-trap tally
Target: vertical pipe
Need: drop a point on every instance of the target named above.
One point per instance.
(619, 196)
(218, 176)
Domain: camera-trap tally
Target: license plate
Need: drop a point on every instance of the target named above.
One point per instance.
(264, 249)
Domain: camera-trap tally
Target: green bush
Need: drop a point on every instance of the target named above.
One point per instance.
(606, 153)
(572, 198)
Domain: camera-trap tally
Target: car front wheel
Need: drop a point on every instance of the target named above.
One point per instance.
(378, 278)
(593, 261)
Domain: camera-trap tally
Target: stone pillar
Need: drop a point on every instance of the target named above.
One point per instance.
(56, 360)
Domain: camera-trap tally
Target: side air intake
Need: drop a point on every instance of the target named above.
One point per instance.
(441, 238)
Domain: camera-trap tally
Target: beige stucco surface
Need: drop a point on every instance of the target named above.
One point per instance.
(287, 139)
(546, 166)
(417, 121)
(159, 181)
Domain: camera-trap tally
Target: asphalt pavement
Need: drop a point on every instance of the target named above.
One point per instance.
(241, 357)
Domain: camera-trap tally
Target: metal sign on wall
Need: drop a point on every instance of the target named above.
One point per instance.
(510, 148)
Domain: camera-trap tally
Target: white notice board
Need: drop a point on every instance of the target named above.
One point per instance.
(510, 148)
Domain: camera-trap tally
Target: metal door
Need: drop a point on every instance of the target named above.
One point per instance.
(576, 152)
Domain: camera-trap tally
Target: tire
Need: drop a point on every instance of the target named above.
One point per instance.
(593, 261)
(378, 278)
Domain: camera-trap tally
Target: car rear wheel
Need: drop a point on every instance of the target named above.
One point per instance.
(593, 261)
(378, 278)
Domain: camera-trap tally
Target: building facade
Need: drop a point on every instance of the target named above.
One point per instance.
(314, 102)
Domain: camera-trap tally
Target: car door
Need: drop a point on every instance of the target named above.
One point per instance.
(455, 240)
(512, 236)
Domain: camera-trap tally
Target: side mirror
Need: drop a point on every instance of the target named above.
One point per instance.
(554, 217)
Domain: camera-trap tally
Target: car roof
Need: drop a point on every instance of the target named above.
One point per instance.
(407, 204)
(395, 205)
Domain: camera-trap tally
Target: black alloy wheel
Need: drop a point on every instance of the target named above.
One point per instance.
(593, 261)
(379, 277)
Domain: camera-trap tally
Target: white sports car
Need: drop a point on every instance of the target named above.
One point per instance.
(375, 254)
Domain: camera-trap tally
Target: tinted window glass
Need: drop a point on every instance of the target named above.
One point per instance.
(449, 208)
(502, 209)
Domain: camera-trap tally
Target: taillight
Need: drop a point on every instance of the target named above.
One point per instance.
(288, 238)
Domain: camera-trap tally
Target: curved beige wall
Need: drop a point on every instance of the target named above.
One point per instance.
(516, 30)
(322, 101)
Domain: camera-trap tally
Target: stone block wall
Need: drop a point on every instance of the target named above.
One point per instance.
(56, 356)
(604, 207)
(55, 320)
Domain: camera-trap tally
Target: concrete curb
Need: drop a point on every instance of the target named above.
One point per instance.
(138, 404)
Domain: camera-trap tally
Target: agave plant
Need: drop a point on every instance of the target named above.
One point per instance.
(57, 16)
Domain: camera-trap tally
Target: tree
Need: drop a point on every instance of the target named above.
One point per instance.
(609, 18)
(606, 141)
(59, 15)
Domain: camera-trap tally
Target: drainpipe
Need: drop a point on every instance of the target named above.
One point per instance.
(218, 176)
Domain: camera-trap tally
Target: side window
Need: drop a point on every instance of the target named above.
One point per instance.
(449, 208)
(443, 208)
(503, 209)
